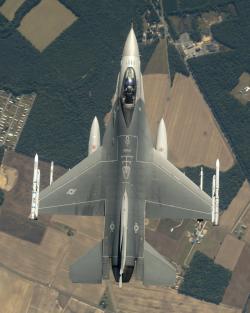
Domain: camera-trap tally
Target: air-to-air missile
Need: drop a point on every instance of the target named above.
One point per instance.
(217, 187)
(213, 200)
(34, 199)
(37, 193)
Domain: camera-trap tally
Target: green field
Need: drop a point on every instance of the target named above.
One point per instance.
(74, 77)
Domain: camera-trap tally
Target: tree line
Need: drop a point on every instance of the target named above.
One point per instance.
(8, 27)
(218, 74)
(176, 63)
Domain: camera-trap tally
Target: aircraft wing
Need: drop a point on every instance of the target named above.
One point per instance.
(174, 195)
(78, 192)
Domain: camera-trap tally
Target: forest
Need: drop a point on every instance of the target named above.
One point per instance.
(204, 279)
(74, 77)
(1, 196)
(218, 74)
(176, 63)
(7, 28)
(230, 182)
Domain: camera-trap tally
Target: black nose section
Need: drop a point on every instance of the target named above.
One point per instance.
(127, 273)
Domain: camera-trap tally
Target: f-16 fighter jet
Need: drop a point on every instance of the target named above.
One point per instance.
(126, 179)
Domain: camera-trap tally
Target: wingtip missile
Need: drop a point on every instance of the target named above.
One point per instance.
(217, 163)
(213, 200)
(217, 187)
(37, 194)
(36, 176)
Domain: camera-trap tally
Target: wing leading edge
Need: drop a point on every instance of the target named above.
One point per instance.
(173, 195)
(78, 192)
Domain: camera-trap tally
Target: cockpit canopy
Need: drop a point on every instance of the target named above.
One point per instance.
(128, 94)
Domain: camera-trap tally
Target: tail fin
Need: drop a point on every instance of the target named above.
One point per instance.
(88, 268)
(157, 270)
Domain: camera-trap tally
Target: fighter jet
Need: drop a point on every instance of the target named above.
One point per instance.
(126, 179)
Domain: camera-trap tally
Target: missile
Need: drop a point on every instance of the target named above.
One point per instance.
(124, 234)
(51, 172)
(161, 144)
(34, 189)
(94, 137)
(37, 193)
(217, 186)
(213, 199)
(201, 178)
(217, 173)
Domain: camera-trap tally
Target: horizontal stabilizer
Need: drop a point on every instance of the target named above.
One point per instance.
(157, 270)
(88, 268)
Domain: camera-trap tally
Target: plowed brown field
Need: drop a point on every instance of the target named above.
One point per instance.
(137, 298)
(194, 137)
(45, 22)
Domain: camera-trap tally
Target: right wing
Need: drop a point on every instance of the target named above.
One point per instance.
(173, 195)
(78, 192)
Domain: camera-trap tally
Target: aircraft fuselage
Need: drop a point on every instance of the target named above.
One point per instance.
(128, 143)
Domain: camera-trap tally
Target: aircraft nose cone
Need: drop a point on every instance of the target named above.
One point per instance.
(131, 45)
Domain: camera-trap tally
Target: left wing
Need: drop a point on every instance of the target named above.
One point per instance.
(78, 192)
(174, 195)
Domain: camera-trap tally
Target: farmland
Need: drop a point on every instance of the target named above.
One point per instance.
(204, 142)
(9, 8)
(238, 290)
(48, 19)
(219, 73)
(137, 298)
(69, 79)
